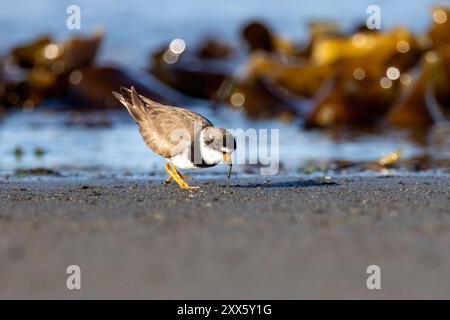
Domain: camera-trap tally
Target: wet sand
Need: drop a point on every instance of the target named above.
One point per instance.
(279, 239)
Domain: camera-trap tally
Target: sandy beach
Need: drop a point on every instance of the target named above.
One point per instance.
(261, 239)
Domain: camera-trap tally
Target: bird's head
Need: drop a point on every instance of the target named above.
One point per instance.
(217, 145)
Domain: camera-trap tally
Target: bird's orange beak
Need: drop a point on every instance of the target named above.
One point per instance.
(226, 157)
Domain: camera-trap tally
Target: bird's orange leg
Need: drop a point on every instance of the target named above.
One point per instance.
(177, 177)
(174, 171)
(182, 176)
(183, 184)
(169, 172)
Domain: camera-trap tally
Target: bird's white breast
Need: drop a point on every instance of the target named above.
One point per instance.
(211, 157)
(182, 161)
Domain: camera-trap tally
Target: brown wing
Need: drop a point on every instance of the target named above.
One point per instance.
(165, 129)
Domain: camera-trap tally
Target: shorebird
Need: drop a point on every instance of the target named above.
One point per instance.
(184, 138)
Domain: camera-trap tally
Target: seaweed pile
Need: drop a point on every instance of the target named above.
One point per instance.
(359, 78)
(45, 69)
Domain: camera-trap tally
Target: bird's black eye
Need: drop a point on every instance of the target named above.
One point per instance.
(209, 140)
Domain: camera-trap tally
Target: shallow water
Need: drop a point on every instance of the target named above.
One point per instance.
(111, 143)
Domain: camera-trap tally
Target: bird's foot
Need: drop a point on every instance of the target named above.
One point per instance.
(183, 184)
(179, 178)
(189, 187)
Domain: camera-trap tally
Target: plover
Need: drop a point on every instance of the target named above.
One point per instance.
(184, 138)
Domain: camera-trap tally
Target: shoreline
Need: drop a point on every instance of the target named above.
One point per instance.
(288, 238)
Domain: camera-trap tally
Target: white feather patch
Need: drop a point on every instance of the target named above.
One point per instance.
(182, 161)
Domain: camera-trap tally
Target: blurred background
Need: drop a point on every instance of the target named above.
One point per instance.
(345, 98)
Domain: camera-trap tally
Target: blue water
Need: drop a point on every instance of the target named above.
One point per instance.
(119, 148)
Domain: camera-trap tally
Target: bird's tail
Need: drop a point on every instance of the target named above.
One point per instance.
(133, 102)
